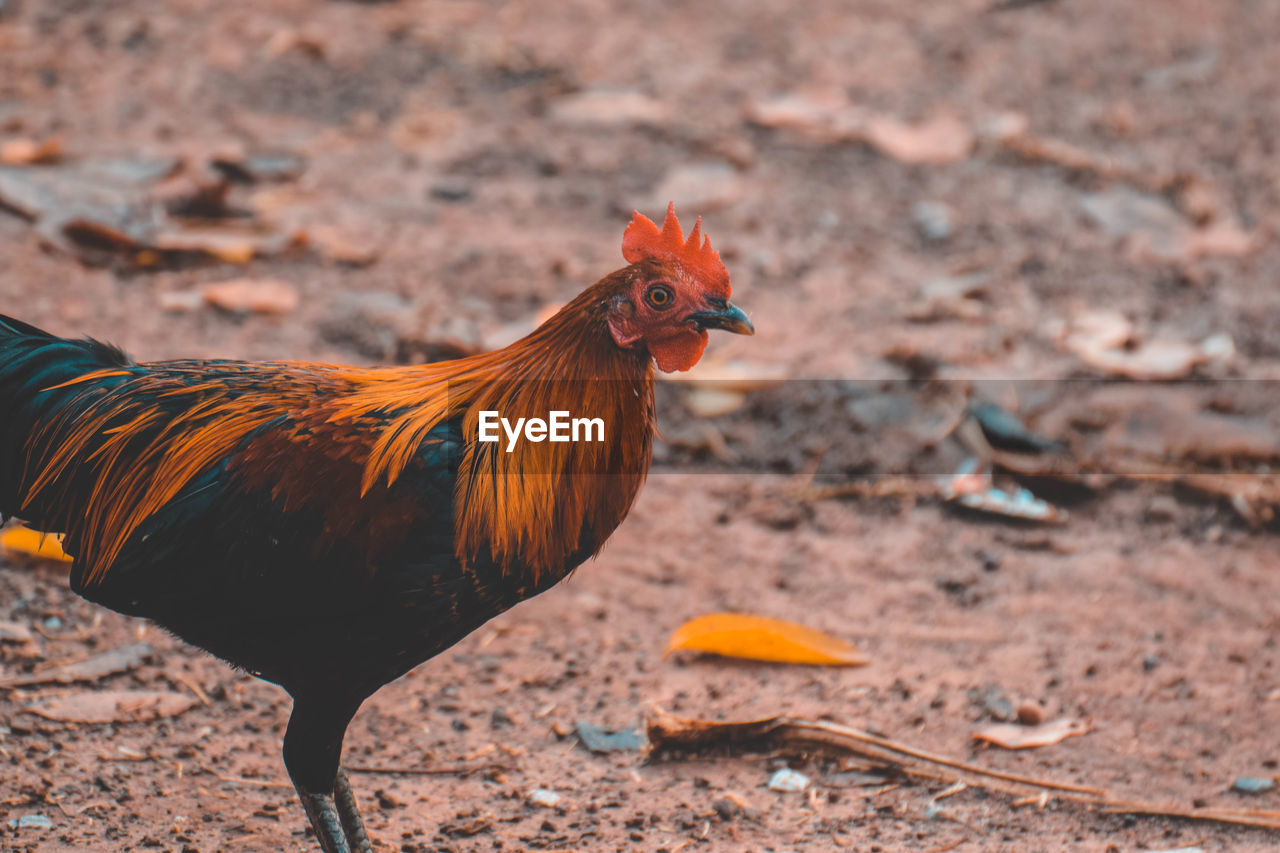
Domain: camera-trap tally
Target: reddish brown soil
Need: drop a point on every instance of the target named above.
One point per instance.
(436, 133)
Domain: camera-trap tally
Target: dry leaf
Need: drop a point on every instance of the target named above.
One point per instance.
(113, 662)
(248, 295)
(1154, 360)
(29, 152)
(939, 141)
(113, 706)
(344, 247)
(731, 375)
(1108, 342)
(742, 635)
(33, 543)
(15, 632)
(1014, 736)
(712, 402)
(229, 246)
(1223, 240)
(825, 115)
(608, 108)
(704, 186)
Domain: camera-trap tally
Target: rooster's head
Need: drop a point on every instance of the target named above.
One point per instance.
(675, 290)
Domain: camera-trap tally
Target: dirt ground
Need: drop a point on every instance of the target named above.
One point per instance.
(902, 191)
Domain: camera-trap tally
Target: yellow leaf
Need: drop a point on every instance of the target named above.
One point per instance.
(742, 635)
(33, 543)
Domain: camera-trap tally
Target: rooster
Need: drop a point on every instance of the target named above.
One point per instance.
(328, 528)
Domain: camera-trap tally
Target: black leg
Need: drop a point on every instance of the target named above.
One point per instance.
(312, 748)
(348, 811)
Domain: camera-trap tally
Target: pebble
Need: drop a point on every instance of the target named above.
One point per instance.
(544, 798)
(933, 220)
(1162, 508)
(997, 704)
(451, 189)
(788, 780)
(32, 821)
(1252, 785)
(1030, 714)
(726, 809)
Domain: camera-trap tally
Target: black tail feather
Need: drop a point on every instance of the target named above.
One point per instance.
(32, 361)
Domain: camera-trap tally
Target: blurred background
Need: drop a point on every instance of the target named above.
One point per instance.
(1029, 243)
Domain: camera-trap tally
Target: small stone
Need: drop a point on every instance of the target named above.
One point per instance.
(1252, 785)
(788, 781)
(451, 189)
(1162, 508)
(32, 821)
(544, 798)
(1150, 662)
(933, 220)
(180, 301)
(1030, 714)
(388, 800)
(1002, 127)
(995, 703)
(599, 740)
(53, 623)
(726, 809)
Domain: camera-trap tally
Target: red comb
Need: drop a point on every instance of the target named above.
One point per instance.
(642, 240)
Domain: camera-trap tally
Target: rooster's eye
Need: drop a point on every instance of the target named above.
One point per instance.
(660, 296)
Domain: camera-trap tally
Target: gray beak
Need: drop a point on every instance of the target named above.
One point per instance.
(726, 316)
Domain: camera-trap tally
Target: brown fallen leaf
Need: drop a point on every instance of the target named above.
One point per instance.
(342, 246)
(1108, 342)
(743, 635)
(33, 543)
(29, 152)
(226, 245)
(709, 185)
(938, 142)
(113, 662)
(609, 108)
(1154, 360)
(824, 115)
(15, 632)
(708, 401)
(731, 375)
(253, 296)
(1014, 736)
(113, 706)
(1222, 240)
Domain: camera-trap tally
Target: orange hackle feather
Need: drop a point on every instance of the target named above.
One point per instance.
(299, 428)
